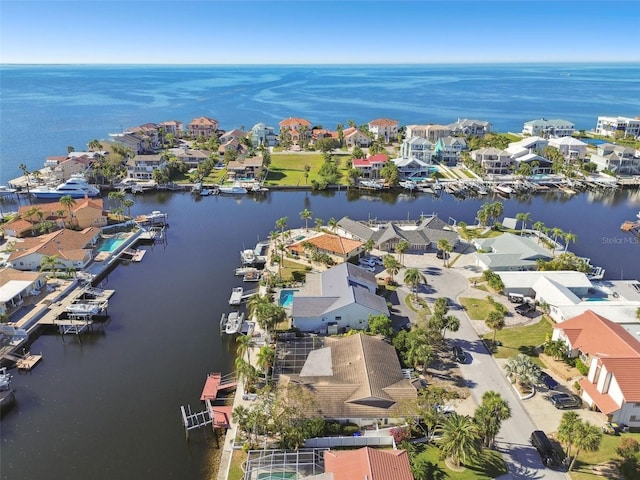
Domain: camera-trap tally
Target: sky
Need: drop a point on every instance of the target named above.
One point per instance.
(317, 32)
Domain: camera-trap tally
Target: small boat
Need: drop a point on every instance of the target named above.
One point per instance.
(236, 188)
(252, 276)
(504, 189)
(232, 323)
(153, 218)
(4, 190)
(242, 271)
(75, 187)
(83, 308)
(371, 184)
(197, 187)
(205, 192)
(7, 397)
(407, 184)
(257, 188)
(248, 256)
(236, 296)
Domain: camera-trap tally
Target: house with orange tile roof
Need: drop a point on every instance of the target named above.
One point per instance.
(295, 131)
(64, 169)
(384, 128)
(340, 249)
(74, 250)
(16, 285)
(203, 126)
(370, 167)
(174, 127)
(368, 463)
(354, 137)
(612, 354)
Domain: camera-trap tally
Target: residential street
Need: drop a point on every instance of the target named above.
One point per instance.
(481, 372)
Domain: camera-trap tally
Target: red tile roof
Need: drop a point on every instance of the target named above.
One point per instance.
(383, 122)
(596, 335)
(627, 374)
(605, 403)
(367, 162)
(293, 121)
(329, 243)
(368, 463)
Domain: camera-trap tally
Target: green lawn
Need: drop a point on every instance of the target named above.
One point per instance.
(287, 169)
(490, 465)
(521, 339)
(476, 308)
(606, 453)
(237, 459)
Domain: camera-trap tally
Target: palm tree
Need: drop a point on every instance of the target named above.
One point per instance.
(26, 174)
(118, 196)
(49, 262)
(556, 232)
(451, 323)
(401, 247)
(524, 218)
(495, 321)
(266, 356)
(94, 145)
(460, 439)
(244, 345)
(445, 247)
(391, 265)
(333, 224)
(538, 226)
(413, 277)
(421, 355)
(522, 370)
(567, 430)
(318, 222)
(569, 237)
(68, 202)
(587, 437)
(489, 416)
(128, 203)
(281, 223)
(306, 215)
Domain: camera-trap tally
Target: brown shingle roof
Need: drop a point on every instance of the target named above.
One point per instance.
(67, 244)
(383, 122)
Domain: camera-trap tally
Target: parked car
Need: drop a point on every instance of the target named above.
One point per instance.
(548, 454)
(376, 260)
(563, 401)
(441, 254)
(548, 381)
(612, 428)
(367, 261)
(525, 308)
(369, 268)
(459, 354)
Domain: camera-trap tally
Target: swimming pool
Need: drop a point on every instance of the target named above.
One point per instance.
(286, 297)
(111, 244)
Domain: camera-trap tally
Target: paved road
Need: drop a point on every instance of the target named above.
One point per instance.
(481, 371)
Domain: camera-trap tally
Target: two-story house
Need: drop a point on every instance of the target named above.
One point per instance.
(617, 158)
(203, 126)
(370, 167)
(295, 130)
(174, 127)
(417, 147)
(472, 128)
(434, 132)
(190, 157)
(448, 149)
(548, 128)
(570, 148)
(141, 167)
(353, 137)
(612, 354)
(384, 128)
(150, 132)
(411, 131)
(261, 134)
(493, 160)
(627, 126)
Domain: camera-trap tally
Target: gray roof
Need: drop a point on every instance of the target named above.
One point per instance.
(508, 243)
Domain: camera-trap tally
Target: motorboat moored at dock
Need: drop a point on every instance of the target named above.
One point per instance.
(232, 323)
(234, 189)
(236, 296)
(75, 187)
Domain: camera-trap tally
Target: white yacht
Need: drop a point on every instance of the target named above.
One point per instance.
(75, 187)
(236, 188)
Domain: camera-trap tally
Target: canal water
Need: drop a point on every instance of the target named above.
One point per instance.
(107, 407)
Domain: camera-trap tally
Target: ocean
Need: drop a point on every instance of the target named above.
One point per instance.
(46, 108)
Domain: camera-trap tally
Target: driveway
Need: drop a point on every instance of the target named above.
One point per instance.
(481, 372)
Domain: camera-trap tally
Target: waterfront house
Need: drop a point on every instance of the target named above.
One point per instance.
(357, 378)
(71, 166)
(203, 127)
(509, 252)
(353, 137)
(190, 157)
(417, 147)
(570, 148)
(370, 167)
(340, 249)
(136, 143)
(385, 129)
(469, 128)
(296, 129)
(411, 131)
(15, 285)
(539, 165)
(250, 167)
(367, 463)
(623, 126)
(339, 299)
(423, 234)
(233, 145)
(612, 354)
(173, 127)
(527, 145)
(618, 159)
(74, 250)
(412, 168)
(320, 133)
(261, 134)
(493, 160)
(150, 132)
(235, 134)
(141, 167)
(448, 149)
(548, 128)
(434, 132)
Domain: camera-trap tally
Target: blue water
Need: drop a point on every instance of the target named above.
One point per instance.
(286, 297)
(47, 108)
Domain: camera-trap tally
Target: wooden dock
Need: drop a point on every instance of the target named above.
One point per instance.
(28, 361)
